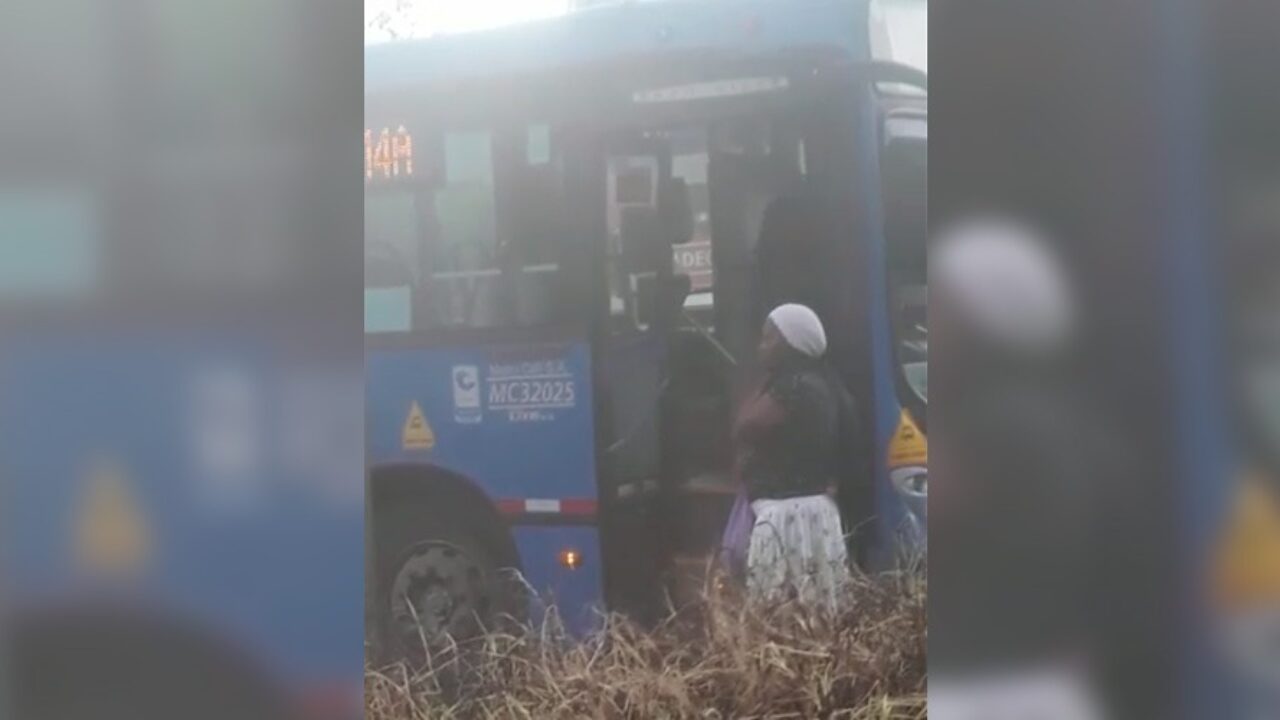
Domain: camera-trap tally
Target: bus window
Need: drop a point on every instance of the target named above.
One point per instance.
(391, 254)
(464, 280)
(899, 34)
(904, 167)
(633, 189)
(632, 192)
(533, 229)
(473, 242)
(912, 311)
(693, 258)
(390, 229)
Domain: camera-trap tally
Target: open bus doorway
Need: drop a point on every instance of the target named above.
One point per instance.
(767, 192)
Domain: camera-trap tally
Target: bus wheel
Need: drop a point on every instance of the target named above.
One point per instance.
(442, 585)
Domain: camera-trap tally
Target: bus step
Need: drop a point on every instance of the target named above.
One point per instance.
(709, 484)
(692, 577)
(701, 507)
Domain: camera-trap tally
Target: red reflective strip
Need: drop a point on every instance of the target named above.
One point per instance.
(578, 506)
(511, 507)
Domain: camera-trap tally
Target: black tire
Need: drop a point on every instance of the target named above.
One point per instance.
(442, 581)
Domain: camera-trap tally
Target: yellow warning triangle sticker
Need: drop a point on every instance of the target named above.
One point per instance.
(111, 533)
(417, 433)
(908, 445)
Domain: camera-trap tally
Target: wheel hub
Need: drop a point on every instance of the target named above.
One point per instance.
(438, 590)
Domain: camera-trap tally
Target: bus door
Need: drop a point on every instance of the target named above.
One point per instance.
(641, 227)
(753, 166)
(685, 204)
(733, 165)
(669, 374)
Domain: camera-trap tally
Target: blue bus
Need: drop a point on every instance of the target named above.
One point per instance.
(564, 283)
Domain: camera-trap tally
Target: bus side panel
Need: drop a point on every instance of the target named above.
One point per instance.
(897, 535)
(575, 592)
(516, 419)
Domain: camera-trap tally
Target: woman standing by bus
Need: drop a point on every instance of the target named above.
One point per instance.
(787, 435)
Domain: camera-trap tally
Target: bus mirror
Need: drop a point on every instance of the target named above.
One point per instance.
(676, 209)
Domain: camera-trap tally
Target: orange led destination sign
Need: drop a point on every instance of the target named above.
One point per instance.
(388, 154)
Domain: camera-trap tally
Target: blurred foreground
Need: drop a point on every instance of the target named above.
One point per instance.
(180, 360)
(1103, 525)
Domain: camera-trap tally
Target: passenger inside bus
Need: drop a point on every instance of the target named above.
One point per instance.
(789, 265)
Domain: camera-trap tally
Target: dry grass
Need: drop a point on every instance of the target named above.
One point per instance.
(718, 658)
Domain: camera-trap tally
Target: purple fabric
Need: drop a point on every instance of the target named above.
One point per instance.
(737, 533)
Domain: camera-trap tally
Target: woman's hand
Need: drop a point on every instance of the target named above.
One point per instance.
(759, 414)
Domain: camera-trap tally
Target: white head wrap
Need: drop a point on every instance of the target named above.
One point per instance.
(1005, 281)
(801, 328)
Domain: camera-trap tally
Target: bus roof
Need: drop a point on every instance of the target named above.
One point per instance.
(621, 32)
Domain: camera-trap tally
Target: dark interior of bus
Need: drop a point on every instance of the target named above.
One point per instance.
(664, 214)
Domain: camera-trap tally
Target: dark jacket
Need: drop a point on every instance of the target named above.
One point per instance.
(798, 455)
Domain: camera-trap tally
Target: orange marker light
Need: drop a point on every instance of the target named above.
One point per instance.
(570, 558)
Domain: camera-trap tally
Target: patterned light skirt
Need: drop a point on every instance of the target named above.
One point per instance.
(797, 551)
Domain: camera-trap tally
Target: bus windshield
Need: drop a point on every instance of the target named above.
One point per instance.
(900, 32)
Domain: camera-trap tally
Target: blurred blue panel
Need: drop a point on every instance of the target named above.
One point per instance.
(49, 244)
(248, 530)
